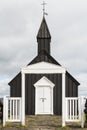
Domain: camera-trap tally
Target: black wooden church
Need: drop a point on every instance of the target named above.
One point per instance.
(43, 88)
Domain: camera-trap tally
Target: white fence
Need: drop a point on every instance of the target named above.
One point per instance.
(74, 110)
(11, 110)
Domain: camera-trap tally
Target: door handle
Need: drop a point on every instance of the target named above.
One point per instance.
(42, 99)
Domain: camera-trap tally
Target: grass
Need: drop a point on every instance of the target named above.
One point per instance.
(43, 123)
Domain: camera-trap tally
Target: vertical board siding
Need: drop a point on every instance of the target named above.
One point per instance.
(30, 79)
(15, 90)
(71, 87)
(44, 44)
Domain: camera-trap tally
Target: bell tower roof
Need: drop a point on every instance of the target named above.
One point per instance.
(43, 30)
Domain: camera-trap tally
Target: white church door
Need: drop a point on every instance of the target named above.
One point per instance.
(47, 100)
(44, 96)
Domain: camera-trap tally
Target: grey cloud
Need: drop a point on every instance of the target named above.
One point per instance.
(83, 86)
(19, 24)
(11, 22)
(4, 88)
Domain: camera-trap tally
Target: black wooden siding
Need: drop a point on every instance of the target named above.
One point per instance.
(30, 79)
(15, 86)
(44, 56)
(71, 87)
(44, 44)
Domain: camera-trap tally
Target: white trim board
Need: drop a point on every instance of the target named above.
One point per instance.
(44, 81)
(43, 67)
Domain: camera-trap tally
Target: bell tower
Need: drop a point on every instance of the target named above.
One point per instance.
(43, 37)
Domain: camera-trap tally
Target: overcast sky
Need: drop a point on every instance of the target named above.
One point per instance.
(19, 24)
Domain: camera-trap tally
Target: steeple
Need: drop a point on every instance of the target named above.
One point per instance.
(43, 37)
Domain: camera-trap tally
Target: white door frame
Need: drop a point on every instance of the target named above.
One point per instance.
(44, 82)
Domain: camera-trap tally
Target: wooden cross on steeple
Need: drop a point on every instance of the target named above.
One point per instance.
(44, 13)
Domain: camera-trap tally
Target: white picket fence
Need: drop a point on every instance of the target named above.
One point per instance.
(74, 110)
(11, 110)
(74, 106)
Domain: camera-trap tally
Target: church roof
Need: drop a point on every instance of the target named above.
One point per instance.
(43, 30)
(44, 33)
(44, 56)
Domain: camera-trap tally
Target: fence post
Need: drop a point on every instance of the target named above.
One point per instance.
(6, 102)
(63, 100)
(82, 112)
(67, 109)
(23, 99)
(4, 111)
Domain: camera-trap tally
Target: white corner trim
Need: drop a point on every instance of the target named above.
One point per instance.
(44, 81)
(63, 99)
(23, 99)
(43, 67)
